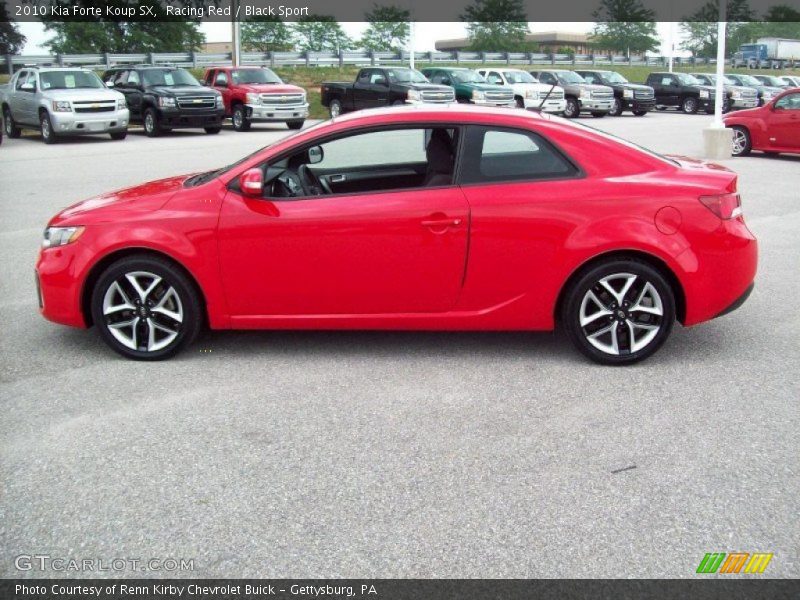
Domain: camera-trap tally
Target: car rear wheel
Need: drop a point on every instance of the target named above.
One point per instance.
(11, 128)
(295, 124)
(146, 308)
(152, 128)
(46, 127)
(741, 141)
(239, 118)
(690, 105)
(573, 109)
(335, 108)
(619, 312)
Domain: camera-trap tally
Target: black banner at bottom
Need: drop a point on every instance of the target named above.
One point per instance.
(394, 589)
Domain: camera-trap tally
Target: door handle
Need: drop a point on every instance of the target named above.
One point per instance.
(337, 178)
(441, 223)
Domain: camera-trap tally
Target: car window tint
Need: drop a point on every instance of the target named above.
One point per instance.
(495, 155)
(133, 78)
(23, 75)
(375, 148)
(666, 80)
(790, 102)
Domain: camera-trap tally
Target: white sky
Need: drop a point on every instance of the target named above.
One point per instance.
(426, 33)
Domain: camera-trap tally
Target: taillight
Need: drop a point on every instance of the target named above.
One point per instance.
(725, 206)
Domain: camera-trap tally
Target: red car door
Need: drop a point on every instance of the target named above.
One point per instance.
(783, 122)
(395, 252)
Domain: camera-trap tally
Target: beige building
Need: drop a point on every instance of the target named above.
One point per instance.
(216, 47)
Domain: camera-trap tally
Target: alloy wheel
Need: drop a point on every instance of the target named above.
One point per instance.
(621, 314)
(142, 311)
(739, 142)
(149, 122)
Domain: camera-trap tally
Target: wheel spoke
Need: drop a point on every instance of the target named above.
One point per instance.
(649, 292)
(154, 344)
(133, 278)
(170, 297)
(618, 296)
(129, 341)
(108, 307)
(612, 348)
(603, 311)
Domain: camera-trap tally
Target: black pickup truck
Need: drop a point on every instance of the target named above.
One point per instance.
(165, 98)
(637, 98)
(383, 86)
(681, 90)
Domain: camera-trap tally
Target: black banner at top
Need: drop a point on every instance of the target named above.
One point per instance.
(354, 10)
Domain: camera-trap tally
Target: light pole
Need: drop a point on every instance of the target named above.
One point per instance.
(235, 55)
(411, 41)
(717, 139)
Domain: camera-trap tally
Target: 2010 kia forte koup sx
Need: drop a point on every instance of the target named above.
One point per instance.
(450, 218)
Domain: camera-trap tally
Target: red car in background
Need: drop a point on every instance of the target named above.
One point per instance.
(772, 128)
(256, 94)
(421, 218)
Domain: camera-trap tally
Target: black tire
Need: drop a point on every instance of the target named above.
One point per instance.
(152, 128)
(690, 105)
(520, 102)
(46, 128)
(11, 128)
(609, 325)
(172, 278)
(573, 109)
(616, 108)
(335, 108)
(295, 124)
(118, 135)
(398, 103)
(742, 144)
(599, 114)
(239, 118)
(640, 113)
(212, 130)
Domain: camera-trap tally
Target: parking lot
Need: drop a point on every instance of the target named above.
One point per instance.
(361, 454)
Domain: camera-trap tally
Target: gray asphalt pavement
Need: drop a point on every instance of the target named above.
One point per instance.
(303, 454)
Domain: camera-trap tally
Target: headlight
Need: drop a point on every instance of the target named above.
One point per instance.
(414, 95)
(704, 93)
(304, 98)
(627, 93)
(737, 94)
(531, 94)
(478, 96)
(166, 101)
(586, 94)
(219, 101)
(121, 104)
(61, 236)
(253, 98)
(61, 106)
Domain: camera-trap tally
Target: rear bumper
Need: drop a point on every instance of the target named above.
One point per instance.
(738, 302)
(260, 112)
(83, 123)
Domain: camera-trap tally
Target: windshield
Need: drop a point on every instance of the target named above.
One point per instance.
(748, 80)
(468, 77)
(519, 77)
(169, 77)
(687, 79)
(69, 80)
(570, 77)
(612, 77)
(773, 81)
(254, 76)
(406, 76)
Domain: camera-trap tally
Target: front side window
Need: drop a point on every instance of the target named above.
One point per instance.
(686, 79)
(612, 77)
(468, 77)
(245, 76)
(547, 78)
(570, 77)
(789, 102)
(498, 155)
(221, 80)
(22, 77)
(519, 77)
(406, 76)
(67, 80)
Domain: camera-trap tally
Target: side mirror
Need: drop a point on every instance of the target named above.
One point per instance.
(498, 82)
(109, 84)
(28, 87)
(251, 183)
(315, 155)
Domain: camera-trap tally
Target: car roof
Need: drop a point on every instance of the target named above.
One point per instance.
(49, 69)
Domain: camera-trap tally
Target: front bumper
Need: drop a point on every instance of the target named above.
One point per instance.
(507, 104)
(550, 105)
(594, 104)
(636, 105)
(58, 273)
(260, 112)
(73, 123)
(176, 118)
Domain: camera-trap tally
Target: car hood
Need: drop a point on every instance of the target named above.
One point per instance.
(638, 87)
(83, 94)
(182, 90)
(269, 88)
(141, 198)
(484, 87)
(591, 86)
(426, 86)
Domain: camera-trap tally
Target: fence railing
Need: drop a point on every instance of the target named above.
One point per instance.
(340, 59)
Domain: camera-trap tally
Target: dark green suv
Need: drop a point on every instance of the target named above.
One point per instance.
(471, 87)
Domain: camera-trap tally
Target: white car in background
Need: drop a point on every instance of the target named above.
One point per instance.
(529, 93)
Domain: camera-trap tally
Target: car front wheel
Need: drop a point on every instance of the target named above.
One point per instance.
(619, 312)
(239, 118)
(152, 128)
(741, 141)
(690, 105)
(573, 109)
(146, 308)
(616, 108)
(295, 124)
(46, 127)
(335, 108)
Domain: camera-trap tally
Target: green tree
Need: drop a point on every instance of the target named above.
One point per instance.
(496, 25)
(779, 21)
(320, 33)
(388, 28)
(700, 30)
(625, 26)
(267, 34)
(11, 40)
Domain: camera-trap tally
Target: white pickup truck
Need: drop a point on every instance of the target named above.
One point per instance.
(529, 93)
(62, 101)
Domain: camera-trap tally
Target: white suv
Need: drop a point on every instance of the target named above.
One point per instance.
(529, 93)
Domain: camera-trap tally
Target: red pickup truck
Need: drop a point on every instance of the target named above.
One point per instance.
(257, 94)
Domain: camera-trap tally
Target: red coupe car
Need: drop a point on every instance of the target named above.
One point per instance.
(772, 128)
(417, 218)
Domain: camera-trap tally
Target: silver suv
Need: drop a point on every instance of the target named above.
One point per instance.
(63, 101)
